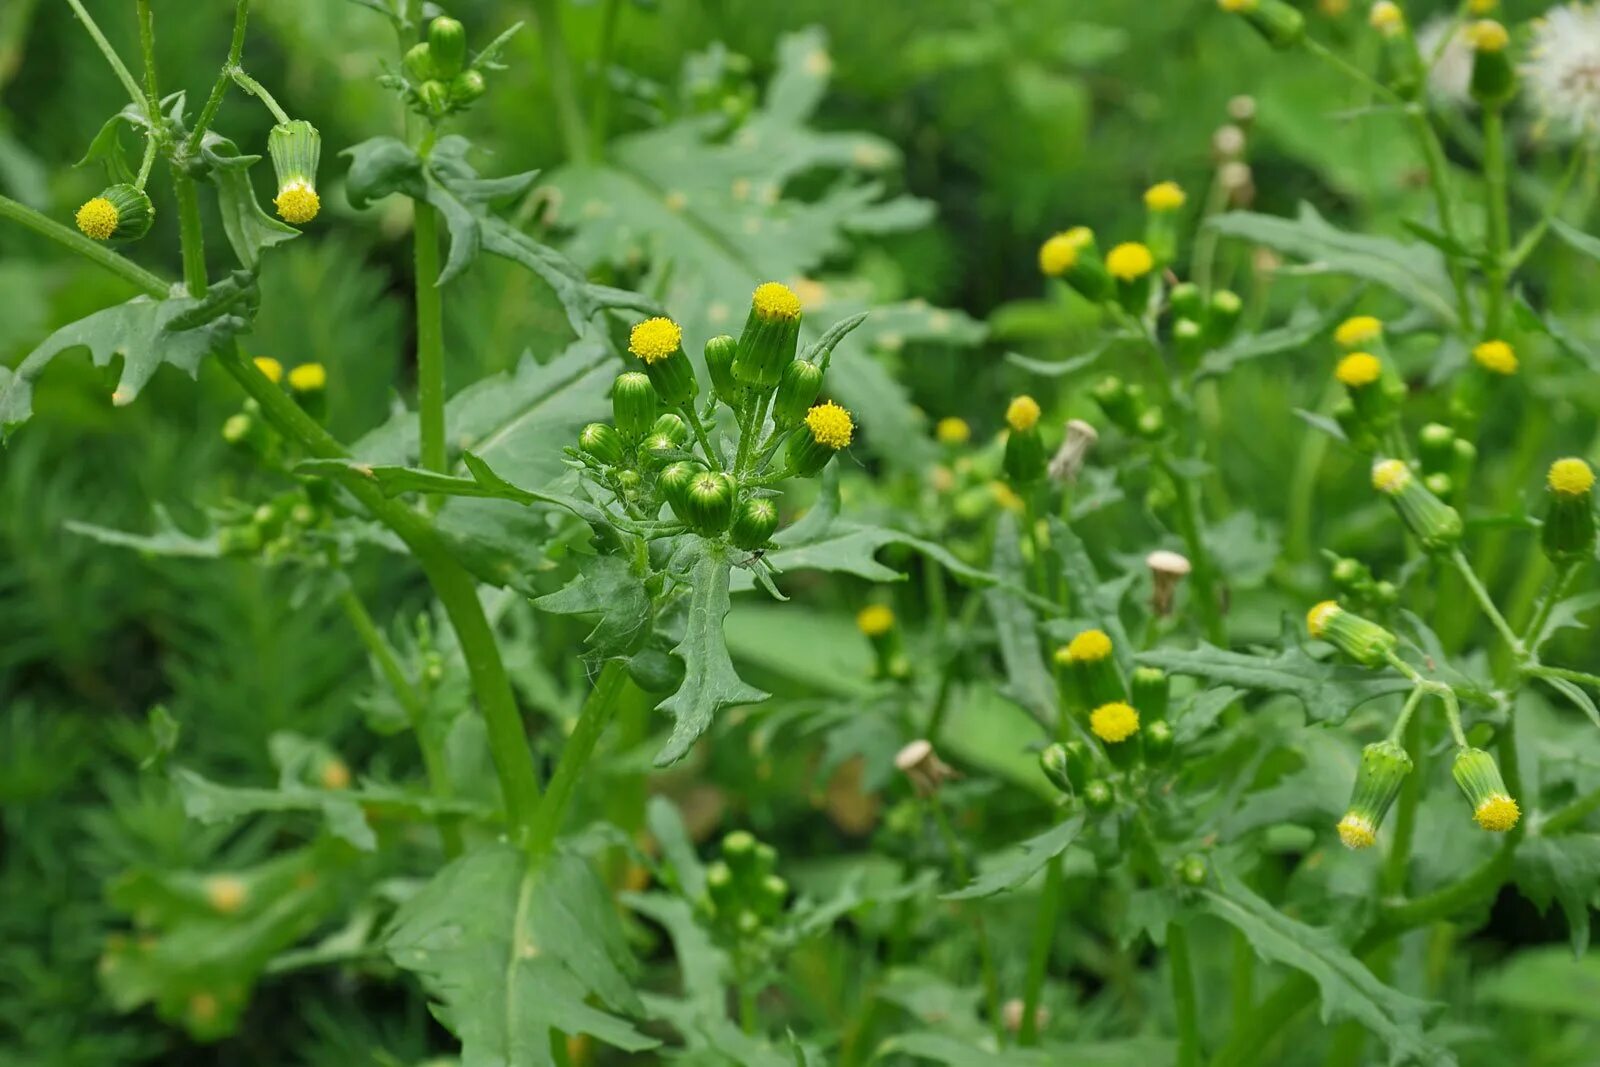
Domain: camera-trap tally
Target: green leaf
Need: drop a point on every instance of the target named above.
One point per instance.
(957, 1052)
(1306, 324)
(1098, 602)
(710, 682)
(1415, 272)
(248, 227)
(704, 967)
(1016, 866)
(1565, 869)
(1028, 679)
(511, 951)
(145, 333)
(1576, 239)
(1349, 990)
(605, 587)
(1568, 343)
(106, 149)
(167, 540)
(1545, 981)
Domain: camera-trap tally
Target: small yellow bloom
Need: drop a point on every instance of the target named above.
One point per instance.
(335, 775)
(875, 620)
(1359, 369)
(1022, 414)
(1357, 331)
(1317, 618)
(1496, 357)
(1571, 477)
(1356, 832)
(1059, 254)
(298, 203)
(1165, 196)
(830, 425)
(1391, 476)
(1386, 17)
(225, 893)
(1130, 261)
(953, 431)
(308, 378)
(1090, 646)
(1488, 36)
(1497, 814)
(270, 368)
(1114, 722)
(774, 300)
(98, 219)
(1482, 7)
(1238, 6)
(656, 339)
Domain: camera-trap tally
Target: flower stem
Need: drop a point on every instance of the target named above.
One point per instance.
(598, 711)
(190, 232)
(147, 48)
(1547, 604)
(1486, 602)
(1571, 816)
(1205, 582)
(259, 91)
(1185, 1005)
(958, 862)
(430, 338)
(1499, 227)
(208, 113)
(1557, 200)
(117, 66)
(1044, 936)
(93, 251)
(563, 86)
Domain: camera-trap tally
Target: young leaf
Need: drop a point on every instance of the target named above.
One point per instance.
(1019, 864)
(1029, 681)
(512, 950)
(249, 228)
(605, 587)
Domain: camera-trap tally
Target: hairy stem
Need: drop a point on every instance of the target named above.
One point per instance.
(430, 338)
(598, 711)
(219, 90)
(1499, 226)
(1185, 1005)
(117, 66)
(93, 251)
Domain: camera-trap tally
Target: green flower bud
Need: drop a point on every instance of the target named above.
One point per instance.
(827, 429)
(1356, 430)
(708, 503)
(1436, 444)
(720, 352)
(675, 478)
(602, 442)
(1476, 772)
(1192, 870)
(447, 39)
(1073, 257)
(772, 893)
(1222, 316)
(120, 213)
(673, 426)
(239, 540)
(658, 343)
(633, 404)
(1352, 576)
(1494, 79)
(1067, 765)
(1569, 526)
(1433, 522)
(771, 334)
(754, 523)
(296, 150)
(1361, 639)
(1186, 302)
(1464, 460)
(659, 450)
(1088, 661)
(1189, 340)
(419, 63)
(1162, 203)
(1384, 766)
(237, 428)
(720, 887)
(1097, 795)
(1025, 456)
(1150, 690)
(1152, 424)
(1279, 24)
(1439, 485)
(435, 96)
(797, 391)
(467, 87)
(1121, 406)
(1158, 743)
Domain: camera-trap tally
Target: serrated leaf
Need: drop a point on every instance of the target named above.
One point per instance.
(1098, 602)
(166, 540)
(1349, 990)
(248, 227)
(1305, 325)
(710, 682)
(1028, 680)
(1017, 865)
(1415, 272)
(605, 587)
(702, 964)
(106, 149)
(1565, 869)
(512, 950)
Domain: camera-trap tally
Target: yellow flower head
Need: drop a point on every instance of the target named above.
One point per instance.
(1482, 7)
(1498, 813)
(308, 378)
(953, 431)
(1165, 196)
(1488, 36)
(875, 620)
(1091, 646)
(1022, 414)
(98, 219)
(1317, 618)
(225, 893)
(1357, 331)
(656, 339)
(1359, 369)
(1238, 6)
(1391, 476)
(1059, 254)
(298, 202)
(1570, 477)
(270, 368)
(1357, 832)
(774, 300)
(1386, 17)
(1114, 722)
(830, 425)
(1496, 357)
(1130, 261)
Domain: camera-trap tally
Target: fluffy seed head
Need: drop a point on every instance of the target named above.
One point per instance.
(308, 378)
(1570, 477)
(655, 339)
(1130, 261)
(830, 425)
(1359, 369)
(774, 300)
(1497, 357)
(98, 219)
(298, 202)
(1357, 832)
(1563, 67)
(270, 368)
(1391, 476)
(1114, 722)
(1164, 196)
(1498, 813)
(1091, 646)
(953, 431)
(1317, 618)
(1022, 414)
(875, 620)
(1357, 331)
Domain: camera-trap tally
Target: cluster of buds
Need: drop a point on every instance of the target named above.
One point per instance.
(1126, 407)
(744, 896)
(647, 455)
(1374, 391)
(246, 429)
(1384, 767)
(438, 79)
(278, 529)
(1448, 460)
(1357, 584)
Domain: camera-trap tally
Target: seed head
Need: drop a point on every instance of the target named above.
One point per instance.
(655, 339)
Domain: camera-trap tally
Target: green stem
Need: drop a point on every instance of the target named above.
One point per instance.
(1434, 160)
(1185, 1005)
(1481, 595)
(219, 90)
(259, 91)
(147, 48)
(563, 86)
(1571, 816)
(1499, 226)
(1392, 880)
(411, 701)
(1547, 604)
(430, 338)
(93, 251)
(693, 419)
(958, 862)
(1566, 673)
(1044, 937)
(600, 90)
(1558, 198)
(117, 66)
(598, 711)
(194, 248)
(1205, 582)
